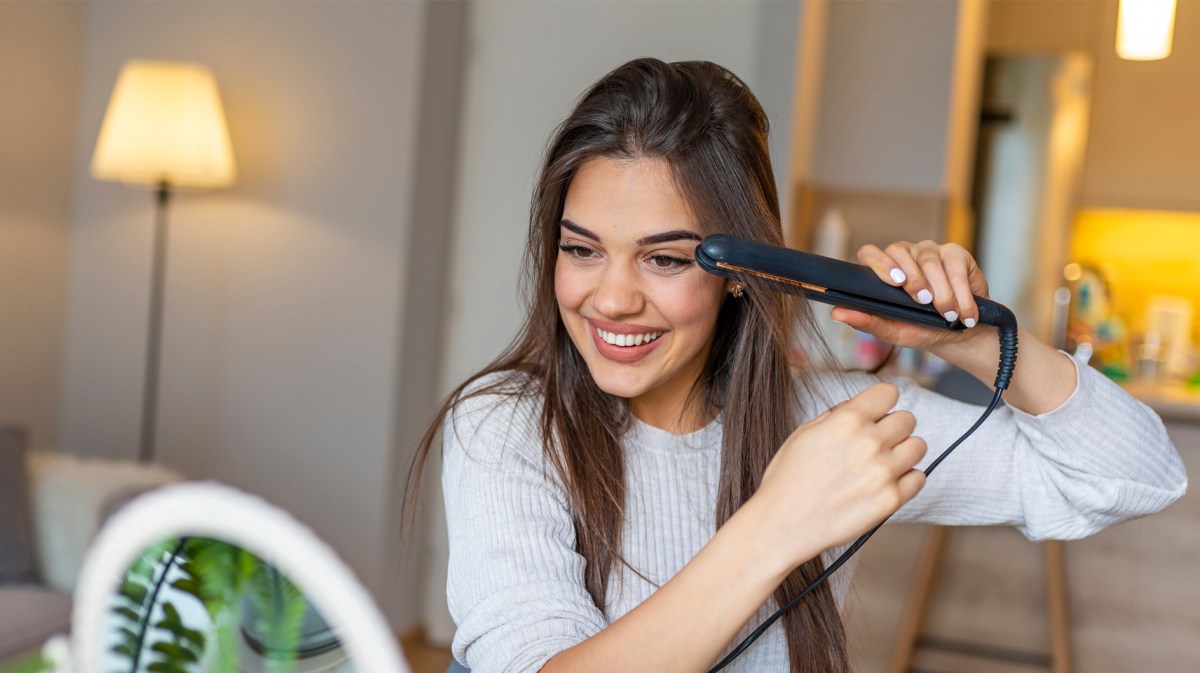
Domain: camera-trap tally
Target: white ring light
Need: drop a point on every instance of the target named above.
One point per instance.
(227, 514)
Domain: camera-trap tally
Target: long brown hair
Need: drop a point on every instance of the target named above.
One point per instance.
(707, 125)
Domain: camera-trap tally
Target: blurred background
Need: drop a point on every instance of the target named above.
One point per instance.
(314, 309)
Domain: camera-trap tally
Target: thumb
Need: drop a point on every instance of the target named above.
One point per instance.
(891, 331)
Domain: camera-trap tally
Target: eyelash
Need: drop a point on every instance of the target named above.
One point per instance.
(575, 250)
(585, 254)
(677, 263)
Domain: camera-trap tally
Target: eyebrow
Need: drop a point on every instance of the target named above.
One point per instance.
(652, 239)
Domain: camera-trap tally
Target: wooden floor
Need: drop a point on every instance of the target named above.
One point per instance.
(424, 658)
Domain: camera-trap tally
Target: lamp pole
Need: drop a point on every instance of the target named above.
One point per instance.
(154, 331)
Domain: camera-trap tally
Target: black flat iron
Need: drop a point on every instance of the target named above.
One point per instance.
(828, 280)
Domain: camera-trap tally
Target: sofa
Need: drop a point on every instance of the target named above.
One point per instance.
(51, 506)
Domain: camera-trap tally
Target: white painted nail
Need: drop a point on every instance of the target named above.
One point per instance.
(969, 322)
(924, 296)
(898, 276)
(951, 316)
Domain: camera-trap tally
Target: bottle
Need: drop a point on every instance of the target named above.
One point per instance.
(832, 239)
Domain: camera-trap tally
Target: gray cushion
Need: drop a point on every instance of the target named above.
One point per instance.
(16, 532)
(29, 615)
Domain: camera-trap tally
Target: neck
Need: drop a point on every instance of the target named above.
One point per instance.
(673, 414)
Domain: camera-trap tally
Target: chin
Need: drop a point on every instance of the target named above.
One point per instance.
(625, 387)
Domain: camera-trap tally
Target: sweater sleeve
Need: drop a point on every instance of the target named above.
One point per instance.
(1101, 457)
(515, 583)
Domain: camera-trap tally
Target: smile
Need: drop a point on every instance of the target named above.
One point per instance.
(626, 348)
(627, 340)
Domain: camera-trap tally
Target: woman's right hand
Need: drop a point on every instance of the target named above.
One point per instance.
(840, 474)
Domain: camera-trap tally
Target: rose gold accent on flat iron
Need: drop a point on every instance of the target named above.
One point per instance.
(767, 276)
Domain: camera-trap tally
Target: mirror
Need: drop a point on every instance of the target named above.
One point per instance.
(202, 578)
(201, 604)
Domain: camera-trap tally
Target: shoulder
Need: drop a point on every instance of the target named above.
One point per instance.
(494, 414)
(818, 390)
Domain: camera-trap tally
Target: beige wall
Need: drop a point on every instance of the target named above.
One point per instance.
(285, 294)
(886, 96)
(40, 45)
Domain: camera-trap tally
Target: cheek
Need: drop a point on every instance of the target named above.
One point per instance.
(693, 305)
(569, 288)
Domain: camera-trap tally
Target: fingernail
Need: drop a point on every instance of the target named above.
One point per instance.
(898, 276)
(951, 316)
(969, 322)
(924, 296)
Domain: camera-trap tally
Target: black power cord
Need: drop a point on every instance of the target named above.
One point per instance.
(990, 313)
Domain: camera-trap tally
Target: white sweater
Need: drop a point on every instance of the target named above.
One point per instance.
(516, 587)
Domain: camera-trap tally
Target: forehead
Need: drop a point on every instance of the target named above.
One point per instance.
(627, 199)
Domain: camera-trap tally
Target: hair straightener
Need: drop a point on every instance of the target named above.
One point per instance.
(828, 280)
(833, 281)
(853, 286)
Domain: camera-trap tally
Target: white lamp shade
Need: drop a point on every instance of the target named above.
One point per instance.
(165, 123)
(1144, 29)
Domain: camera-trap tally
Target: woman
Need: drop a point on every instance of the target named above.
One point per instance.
(641, 477)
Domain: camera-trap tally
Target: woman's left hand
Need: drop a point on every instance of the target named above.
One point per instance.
(944, 275)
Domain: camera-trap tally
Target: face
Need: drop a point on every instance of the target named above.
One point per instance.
(634, 301)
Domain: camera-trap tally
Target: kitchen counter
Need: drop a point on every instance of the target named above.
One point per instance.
(1172, 401)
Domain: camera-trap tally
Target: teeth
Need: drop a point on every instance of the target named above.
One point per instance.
(626, 340)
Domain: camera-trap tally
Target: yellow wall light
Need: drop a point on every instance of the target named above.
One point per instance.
(1144, 29)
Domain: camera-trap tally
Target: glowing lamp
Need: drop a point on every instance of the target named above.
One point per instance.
(1144, 29)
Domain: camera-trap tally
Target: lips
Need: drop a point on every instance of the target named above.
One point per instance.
(624, 354)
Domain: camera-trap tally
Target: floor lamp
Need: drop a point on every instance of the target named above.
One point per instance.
(164, 128)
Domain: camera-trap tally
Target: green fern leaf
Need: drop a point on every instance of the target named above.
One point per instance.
(281, 607)
(172, 622)
(123, 649)
(134, 592)
(175, 652)
(188, 585)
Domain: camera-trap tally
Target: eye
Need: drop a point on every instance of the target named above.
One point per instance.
(669, 263)
(577, 251)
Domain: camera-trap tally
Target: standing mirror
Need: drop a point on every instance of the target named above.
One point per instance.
(202, 578)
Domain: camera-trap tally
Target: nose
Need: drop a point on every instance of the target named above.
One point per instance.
(618, 293)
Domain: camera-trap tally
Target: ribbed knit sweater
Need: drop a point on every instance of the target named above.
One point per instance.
(516, 588)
